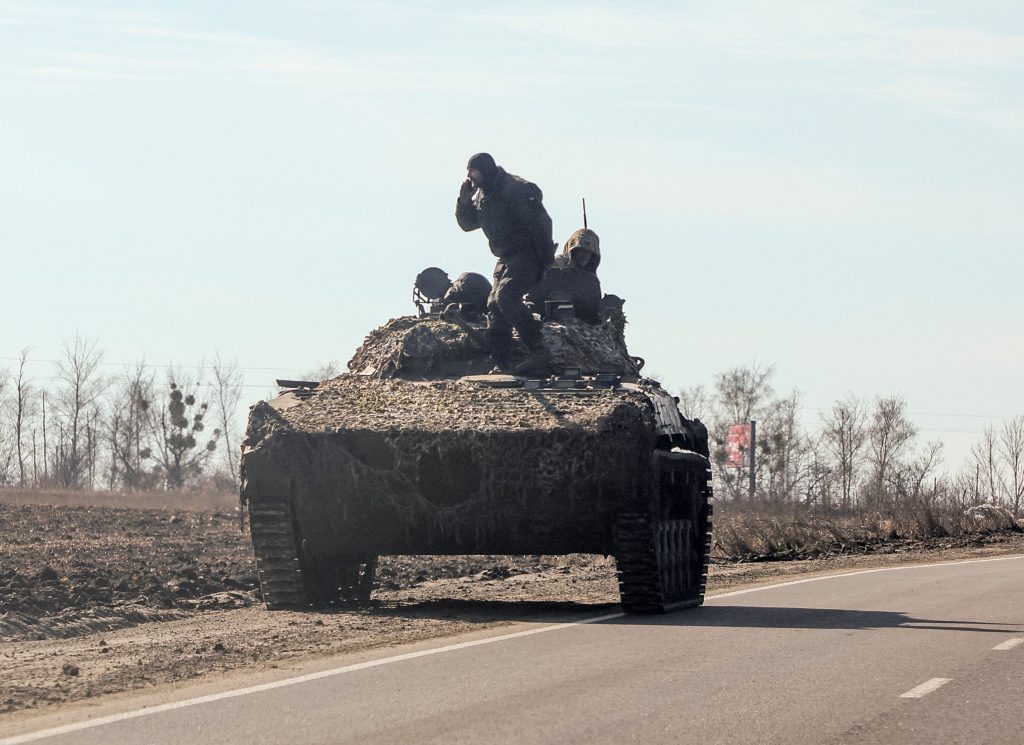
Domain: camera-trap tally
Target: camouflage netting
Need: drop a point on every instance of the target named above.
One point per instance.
(414, 345)
(408, 451)
(360, 402)
(410, 346)
(453, 466)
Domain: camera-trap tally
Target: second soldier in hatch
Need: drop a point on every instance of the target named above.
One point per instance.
(511, 213)
(581, 251)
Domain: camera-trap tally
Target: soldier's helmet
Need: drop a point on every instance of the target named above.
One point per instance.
(582, 250)
(469, 289)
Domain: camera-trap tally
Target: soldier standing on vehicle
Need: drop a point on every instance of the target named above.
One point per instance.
(510, 211)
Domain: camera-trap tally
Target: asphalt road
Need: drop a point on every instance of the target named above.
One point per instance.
(910, 655)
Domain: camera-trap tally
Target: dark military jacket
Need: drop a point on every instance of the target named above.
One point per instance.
(511, 213)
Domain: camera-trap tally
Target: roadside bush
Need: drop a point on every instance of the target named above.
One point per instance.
(776, 532)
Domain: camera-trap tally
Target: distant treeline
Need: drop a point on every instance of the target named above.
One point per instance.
(863, 455)
(133, 431)
(140, 430)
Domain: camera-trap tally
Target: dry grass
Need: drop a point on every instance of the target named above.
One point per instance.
(201, 499)
(774, 533)
(742, 533)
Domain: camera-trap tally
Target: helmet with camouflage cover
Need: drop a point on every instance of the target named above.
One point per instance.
(582, 250)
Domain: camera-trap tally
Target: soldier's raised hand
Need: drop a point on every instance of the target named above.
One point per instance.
(466, 190)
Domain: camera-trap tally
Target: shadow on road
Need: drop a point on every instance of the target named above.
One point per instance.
(720, 616)
(741, 616)
(486, 611)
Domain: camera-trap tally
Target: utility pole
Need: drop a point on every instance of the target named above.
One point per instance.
(753, 462)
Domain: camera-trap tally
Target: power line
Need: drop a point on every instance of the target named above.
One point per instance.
(927, 413)
(198, 385)
(927, 430)
(292, 369)
(147, 364)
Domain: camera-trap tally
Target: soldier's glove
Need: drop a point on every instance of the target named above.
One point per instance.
(466, 191)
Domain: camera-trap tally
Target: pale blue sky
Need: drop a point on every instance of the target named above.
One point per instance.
(835, 188)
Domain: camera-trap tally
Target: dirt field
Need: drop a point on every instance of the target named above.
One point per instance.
(97, 600)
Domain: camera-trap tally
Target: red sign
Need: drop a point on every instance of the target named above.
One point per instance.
(737, 445)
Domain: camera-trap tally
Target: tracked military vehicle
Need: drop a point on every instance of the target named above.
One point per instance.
(423, 448)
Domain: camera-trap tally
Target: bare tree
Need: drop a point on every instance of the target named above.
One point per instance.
(35, 462)
(783, 452)
(176, 429)
(987, 468)
(888, 436)
(818, 486)
(324, 371)
(128, 431)
(963, 489)
(697, 402)
(909, 479)
(741, 394)
(7, 449)
(844, 435)
(1011, 448)
(227, 385)
(46, 451)
(82, 385)
(23, 411)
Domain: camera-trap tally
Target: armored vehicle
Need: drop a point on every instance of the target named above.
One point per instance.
(423, 448)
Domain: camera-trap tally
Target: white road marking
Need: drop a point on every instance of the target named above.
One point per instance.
(925, 688)
(89, 724)
(734, 593)
(1008, 644)
(185, 703)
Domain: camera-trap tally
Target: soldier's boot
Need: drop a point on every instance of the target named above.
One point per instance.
(502, 364)
(499, 346)
(538, 362)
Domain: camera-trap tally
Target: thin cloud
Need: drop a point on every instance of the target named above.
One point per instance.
(939, 93)
(171, 33)
(833, 31)
(946, 70)
(78, 74)
(156, 51)
(961, 47)
(39, 14)
(581, 27)
(697, 179)
(875, 52)
(955, 97)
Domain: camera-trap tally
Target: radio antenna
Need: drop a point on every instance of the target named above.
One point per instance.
(584, 213)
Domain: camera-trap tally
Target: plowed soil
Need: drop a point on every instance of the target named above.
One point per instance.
(98, 600)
